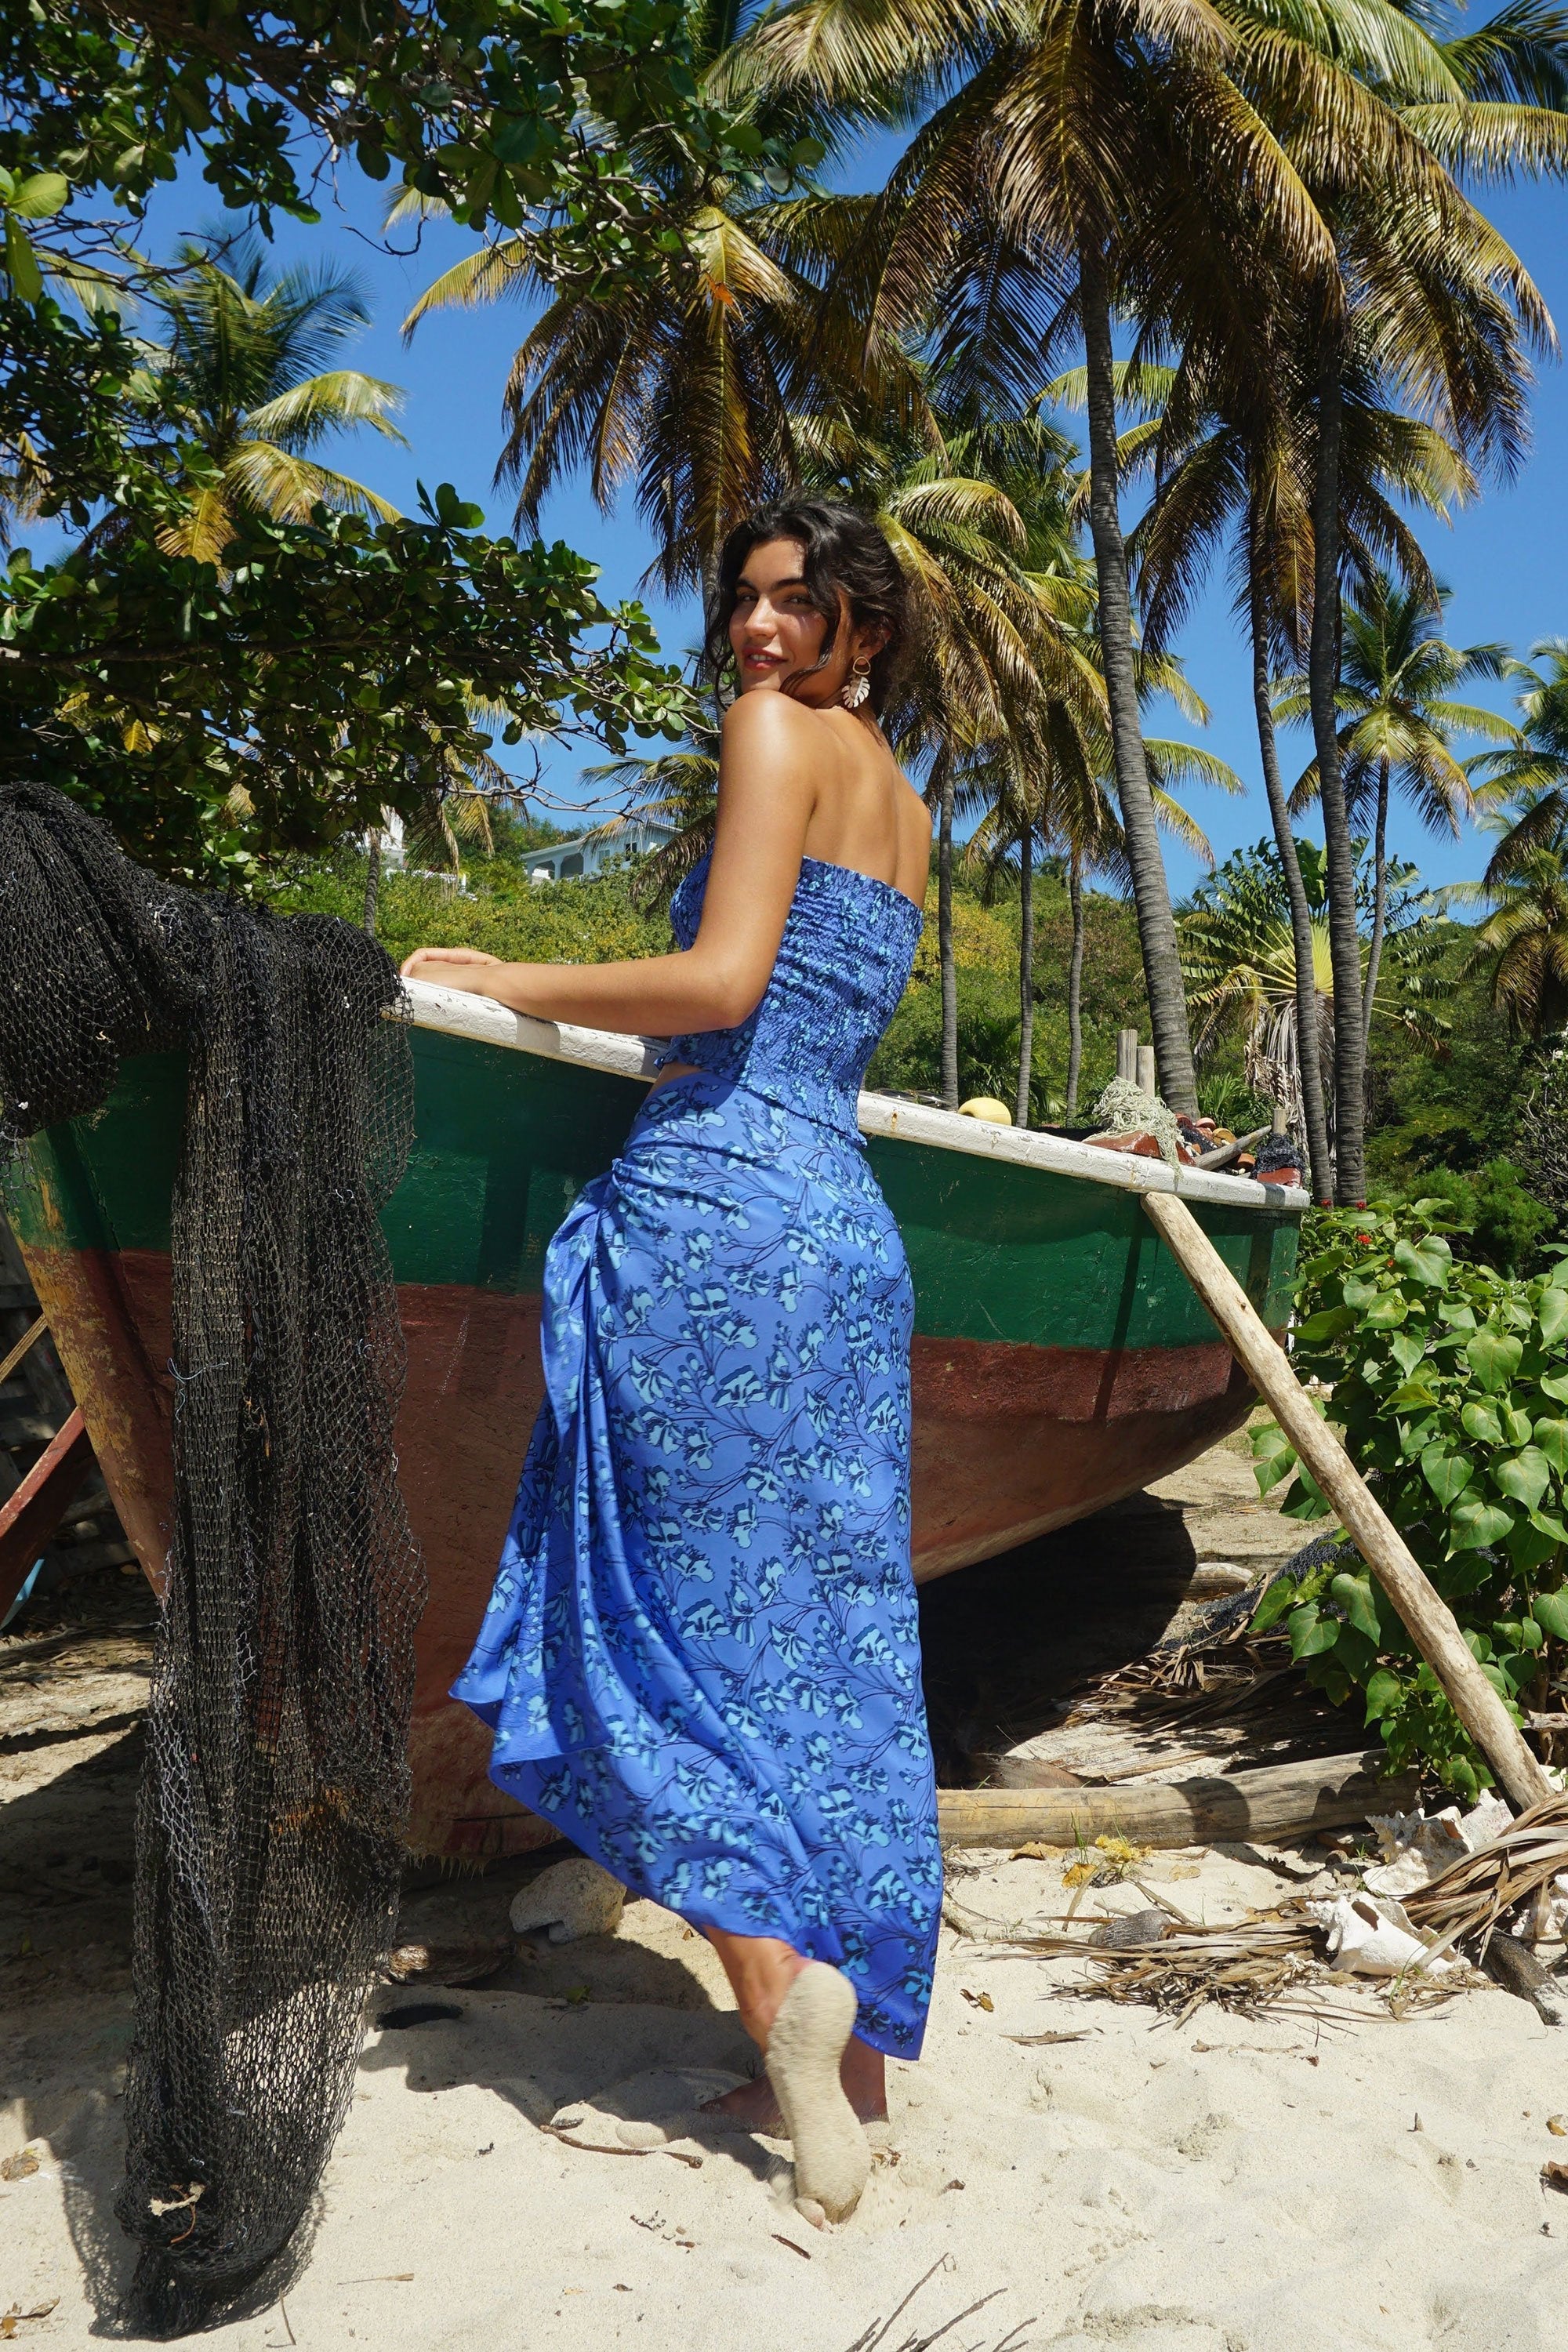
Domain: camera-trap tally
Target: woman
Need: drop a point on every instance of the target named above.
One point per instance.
(701, 1658)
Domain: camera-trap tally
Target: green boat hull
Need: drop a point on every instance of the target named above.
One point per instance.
(1061, 1359)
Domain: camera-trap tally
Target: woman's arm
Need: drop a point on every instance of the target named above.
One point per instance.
(768, 769)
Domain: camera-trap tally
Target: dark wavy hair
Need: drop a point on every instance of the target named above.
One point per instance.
(848, 562)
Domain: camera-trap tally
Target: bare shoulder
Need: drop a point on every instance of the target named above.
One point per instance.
(770, 719)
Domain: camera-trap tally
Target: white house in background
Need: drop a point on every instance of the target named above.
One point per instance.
(564, 861)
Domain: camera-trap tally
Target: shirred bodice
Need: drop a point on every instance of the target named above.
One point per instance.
(843, 963)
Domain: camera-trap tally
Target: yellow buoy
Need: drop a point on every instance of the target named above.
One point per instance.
(987, 1107)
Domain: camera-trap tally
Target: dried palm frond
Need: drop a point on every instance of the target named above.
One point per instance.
(1476, 1893)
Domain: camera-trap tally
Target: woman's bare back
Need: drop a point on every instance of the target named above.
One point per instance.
(867, 814)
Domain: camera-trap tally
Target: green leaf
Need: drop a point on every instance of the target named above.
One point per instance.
(21, 262)
(1325, 1325)
(1311, 1635)
(1556, 1386)
(1493, 1357)
(1552, 1437)
(1516, 1425)
(1354, 1594)
(1553, 1314)
(1387, 1315)
(1270, 1439)
(1307, 1505)
(1280, 1595)
(40, 197)
(1525, 1476)
(1474, 1526)
(1550, 1610)
(1480, 1421)
(1528, 1545)
(1384, 1693)
(1446, 1473)
(1429, 1261)
(1270, 1473)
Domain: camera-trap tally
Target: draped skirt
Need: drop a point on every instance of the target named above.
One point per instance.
(701, 1659)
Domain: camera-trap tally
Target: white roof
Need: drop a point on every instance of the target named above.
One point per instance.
(456, 1013)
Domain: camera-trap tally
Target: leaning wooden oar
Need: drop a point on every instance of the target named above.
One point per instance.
(1425, 1614)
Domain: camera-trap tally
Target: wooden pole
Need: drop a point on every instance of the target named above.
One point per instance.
(1148, 1077)
(1424, 1613)
(1127, 1054)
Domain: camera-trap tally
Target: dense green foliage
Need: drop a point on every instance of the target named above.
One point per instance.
(280, 694)
(215, 718)
(499, 109)
(1449, 1381)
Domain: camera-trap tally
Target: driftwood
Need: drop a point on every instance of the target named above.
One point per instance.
(1274, 1802)
(1424, 1613)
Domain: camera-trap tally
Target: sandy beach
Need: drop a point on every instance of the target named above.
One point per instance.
(1227, 2185)
(1088, 2173)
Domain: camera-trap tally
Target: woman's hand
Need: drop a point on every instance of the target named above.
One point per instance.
(453, 968)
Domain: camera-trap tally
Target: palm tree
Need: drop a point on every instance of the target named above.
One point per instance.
(1530, 777)
(1063, 801)
(682, 385)
(1442, 311)
(1522, 947)
(244, 357)
(1088, 154)
(676, 789)
(977, 509)
(1397, 678)
(1239, 953)
(1230, 456)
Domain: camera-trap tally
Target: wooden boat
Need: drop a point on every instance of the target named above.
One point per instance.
(1061, 1359)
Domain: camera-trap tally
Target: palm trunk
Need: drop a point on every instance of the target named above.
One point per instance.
(1025, 974)
(1151, 892)
(1074, 985)
(371, 882)
(1307, 1056)
(944, 930)
(1324, 679)
(1379, 905)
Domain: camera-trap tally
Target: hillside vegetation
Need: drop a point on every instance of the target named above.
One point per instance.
(1471, 1121)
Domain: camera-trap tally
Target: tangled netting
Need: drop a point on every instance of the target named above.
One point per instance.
(276, 1778)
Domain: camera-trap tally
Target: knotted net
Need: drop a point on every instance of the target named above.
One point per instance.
(276, 1778)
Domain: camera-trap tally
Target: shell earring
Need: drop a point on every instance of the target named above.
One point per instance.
(857, 686)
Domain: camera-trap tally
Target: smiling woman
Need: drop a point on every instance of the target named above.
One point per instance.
(701, 1659)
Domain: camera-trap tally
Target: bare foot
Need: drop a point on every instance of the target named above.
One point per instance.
(756, 2109)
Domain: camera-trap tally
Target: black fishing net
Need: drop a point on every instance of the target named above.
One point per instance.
(276, 1779)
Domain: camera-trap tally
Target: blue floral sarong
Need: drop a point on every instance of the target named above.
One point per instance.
(701, 1659)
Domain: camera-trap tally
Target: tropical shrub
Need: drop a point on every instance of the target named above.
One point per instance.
(1449, 1382)
(1491, 1213)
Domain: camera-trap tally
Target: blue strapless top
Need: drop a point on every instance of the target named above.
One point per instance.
(843, 963)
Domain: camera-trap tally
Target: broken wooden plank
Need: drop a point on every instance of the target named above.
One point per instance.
(1273, 1802)
(9, 1362)
(29, 1517)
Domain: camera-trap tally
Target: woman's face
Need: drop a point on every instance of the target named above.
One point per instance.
(776, 632)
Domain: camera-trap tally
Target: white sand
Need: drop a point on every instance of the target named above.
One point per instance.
(1223, 2186)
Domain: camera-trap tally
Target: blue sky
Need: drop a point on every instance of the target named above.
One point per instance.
(1500, 556)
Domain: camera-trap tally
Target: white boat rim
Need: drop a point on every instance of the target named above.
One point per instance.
(457, 1012)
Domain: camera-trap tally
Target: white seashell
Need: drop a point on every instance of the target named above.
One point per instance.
(1374, 1939)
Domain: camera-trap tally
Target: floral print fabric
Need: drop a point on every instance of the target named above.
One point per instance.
(701, 1659)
